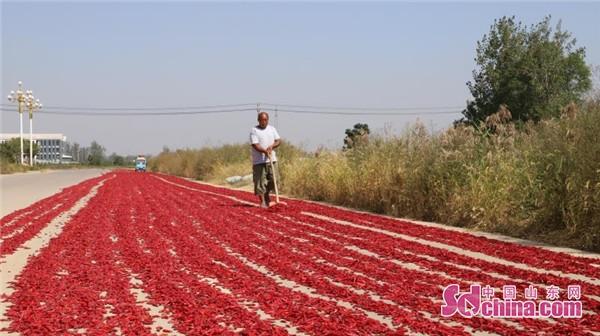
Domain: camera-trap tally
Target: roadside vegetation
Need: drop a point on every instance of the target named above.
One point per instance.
(523, 161)
(81, 157)
(215, 164)
(538, 181)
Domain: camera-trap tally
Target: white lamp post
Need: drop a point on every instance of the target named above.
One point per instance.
(33, 105)
(19, 98)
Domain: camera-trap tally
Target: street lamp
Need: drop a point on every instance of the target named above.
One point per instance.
(33, 105)
(19, 98)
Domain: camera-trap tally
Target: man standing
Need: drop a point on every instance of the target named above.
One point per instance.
(264, 138)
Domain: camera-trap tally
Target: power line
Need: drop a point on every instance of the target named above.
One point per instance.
(354, 108)
(174, 113)
(364, 113)
(123, 114)
(140, 108)
(231, 108)
(275, 106)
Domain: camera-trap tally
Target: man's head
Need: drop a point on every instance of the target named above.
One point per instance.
(263, 119)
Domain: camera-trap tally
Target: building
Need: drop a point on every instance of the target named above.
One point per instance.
(50, 146)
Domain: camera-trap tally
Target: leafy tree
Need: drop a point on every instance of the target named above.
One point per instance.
(116, 159)
(96, 154)
(11, 150)
(356, 136)
(534, 71)
(130, 159)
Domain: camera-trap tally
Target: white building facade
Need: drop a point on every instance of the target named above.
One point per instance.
(50, 146)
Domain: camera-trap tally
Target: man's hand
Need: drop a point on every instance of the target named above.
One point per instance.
(267, 150)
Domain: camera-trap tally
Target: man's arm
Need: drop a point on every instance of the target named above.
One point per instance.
(259, 148)
(269, 149)
(276, 143)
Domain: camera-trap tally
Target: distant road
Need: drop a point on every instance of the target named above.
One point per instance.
(22, 189)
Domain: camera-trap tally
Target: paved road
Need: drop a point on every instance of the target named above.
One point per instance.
(20, 190)
(138, 253)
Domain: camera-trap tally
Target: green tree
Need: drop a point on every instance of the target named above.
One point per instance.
(534, 71)
(96, 154)
(11, 150)
(116, 160)
(356, 136)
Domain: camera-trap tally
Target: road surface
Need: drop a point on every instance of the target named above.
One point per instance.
(22, 189)
(139, 253)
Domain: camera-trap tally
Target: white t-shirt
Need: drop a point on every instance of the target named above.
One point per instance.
(265, 138)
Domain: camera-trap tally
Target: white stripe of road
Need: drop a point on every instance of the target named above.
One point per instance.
(457, 250)
(205, 192)
(12, 265)
(373, 295)
(25, 213)
(308, 291)
(415, 267)
(502, 261)
(19, 230)
(406, 265)
(252, 306)
(161, 322)
(430, 258)
(448, 228)
(247, 304)
(454, 249)
(492, 236)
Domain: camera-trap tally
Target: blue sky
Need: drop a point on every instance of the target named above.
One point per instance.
(164, 54)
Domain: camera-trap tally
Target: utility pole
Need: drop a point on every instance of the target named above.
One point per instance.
(33, 105)
(19, 98)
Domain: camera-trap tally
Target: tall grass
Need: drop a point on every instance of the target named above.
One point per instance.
(7, 167)
(537, 181)
(197, 163)
(541, 181)
(214, 164)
